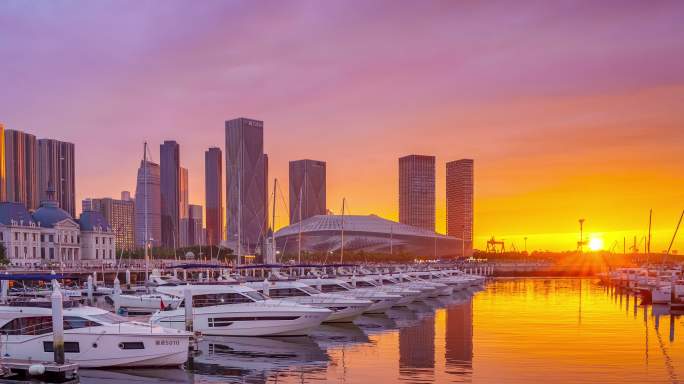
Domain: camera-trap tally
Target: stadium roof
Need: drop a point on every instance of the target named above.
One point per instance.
(355, 223)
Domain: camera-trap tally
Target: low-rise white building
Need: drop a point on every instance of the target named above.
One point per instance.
(50, 236)
(98, 241)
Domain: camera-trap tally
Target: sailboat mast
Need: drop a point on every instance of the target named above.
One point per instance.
(342, 234)
(648, 243)
(299, 236)
(273, 244)
(239, 210)
(147, 235)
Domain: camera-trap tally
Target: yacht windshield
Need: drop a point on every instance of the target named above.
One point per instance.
(109, 318)
(346, 285)
(254, 295)
(310, 291)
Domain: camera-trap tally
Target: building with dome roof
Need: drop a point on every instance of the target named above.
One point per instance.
(370, 234)
(50, 236)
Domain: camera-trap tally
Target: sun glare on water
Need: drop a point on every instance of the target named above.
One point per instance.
(595, 243)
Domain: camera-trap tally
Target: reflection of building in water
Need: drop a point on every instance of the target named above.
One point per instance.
(417, 346)
(459, 336)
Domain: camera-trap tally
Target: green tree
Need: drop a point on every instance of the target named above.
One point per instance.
(3, 256)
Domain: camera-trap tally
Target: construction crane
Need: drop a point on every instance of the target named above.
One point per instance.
(496, 246)
(581, 243)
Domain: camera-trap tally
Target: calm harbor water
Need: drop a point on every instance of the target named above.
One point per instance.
(515, 331)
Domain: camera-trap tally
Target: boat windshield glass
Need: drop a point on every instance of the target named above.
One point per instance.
(310, 291)
(109, 318)
(346, 285)
(254, 295)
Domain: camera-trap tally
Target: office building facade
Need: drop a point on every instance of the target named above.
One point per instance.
(169, 167)
(56, 171)
(148, 205)
(417, 191)
(307, 189)
(21, 168)
(213, 195)
(459, 202)
(246, 194)
(195, 225)
(120, 214)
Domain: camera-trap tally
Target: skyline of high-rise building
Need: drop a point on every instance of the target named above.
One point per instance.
(3, 176)
(307, 186)
(183, 203)
(195, 225)
(459, 202)
(21, 168)
(246, 194)
(213, 195)
(417, 191)
(169, 168)
(56, 171)
(120, 214)
(148, 206)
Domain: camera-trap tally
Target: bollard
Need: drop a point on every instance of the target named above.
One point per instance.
(187, 294)
(57, 325)
(128, 278)
(90, 290)
(353, 280)
(117, 286)
(5, 290)
(175, 273)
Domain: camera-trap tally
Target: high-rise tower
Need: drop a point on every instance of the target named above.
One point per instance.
(169, 167)
(417, 191)
(213, 192)
(21, 168)
(459, 202)
(56, 171)
(147, 174)
(246, 195)
(307, 181)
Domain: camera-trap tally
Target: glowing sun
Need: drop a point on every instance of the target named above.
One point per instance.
(595, 243)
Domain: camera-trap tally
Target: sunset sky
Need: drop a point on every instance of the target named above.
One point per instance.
(571, 109)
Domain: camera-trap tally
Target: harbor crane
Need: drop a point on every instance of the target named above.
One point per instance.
(496, 246)
(581, 243)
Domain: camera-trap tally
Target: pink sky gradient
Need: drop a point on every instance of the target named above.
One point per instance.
(570, 109)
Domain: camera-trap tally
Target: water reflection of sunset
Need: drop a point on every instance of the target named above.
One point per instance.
(518, 331)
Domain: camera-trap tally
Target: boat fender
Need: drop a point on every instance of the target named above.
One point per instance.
(36, 369)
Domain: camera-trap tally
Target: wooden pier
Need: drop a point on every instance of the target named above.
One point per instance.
(19, 371)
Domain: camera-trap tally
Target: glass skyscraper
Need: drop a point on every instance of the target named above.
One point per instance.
(459, 202)
(153, 207)
(246, 192)
(213, 192)
(417, 191)
(307, 181)
(169, 167)
(56, 171)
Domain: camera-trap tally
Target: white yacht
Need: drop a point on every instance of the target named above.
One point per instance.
(382, 301)
(440, 288)
(344, 308)
(408, 294)
(144, 303)
(238, 310)
(93, 338)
